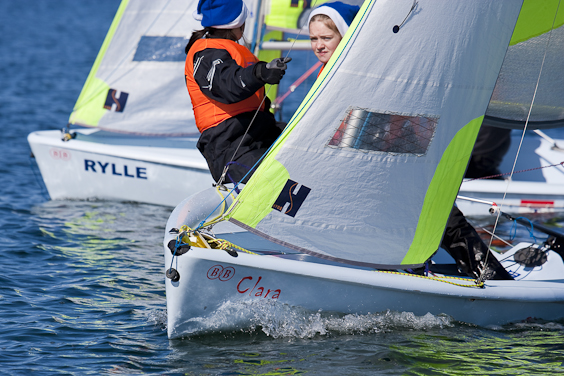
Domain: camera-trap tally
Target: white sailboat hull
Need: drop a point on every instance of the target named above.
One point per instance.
(212, 283)
(78, 169)
(532, 189)
(199, 295)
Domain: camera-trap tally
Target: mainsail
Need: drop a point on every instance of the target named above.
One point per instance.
(369, 166)
(536, 47)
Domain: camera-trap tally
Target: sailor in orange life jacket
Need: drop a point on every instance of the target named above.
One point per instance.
(328, 23)
(226, 86)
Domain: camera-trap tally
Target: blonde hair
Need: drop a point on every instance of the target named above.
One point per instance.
(327, 21)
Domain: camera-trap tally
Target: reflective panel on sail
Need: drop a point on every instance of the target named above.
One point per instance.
(383, 196)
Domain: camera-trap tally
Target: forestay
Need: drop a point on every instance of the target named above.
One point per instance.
(536, 48)
(136, 84)
(368, 168)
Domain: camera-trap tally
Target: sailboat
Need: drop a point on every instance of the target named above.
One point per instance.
(131, 135)
(354, 196)
(134, 133)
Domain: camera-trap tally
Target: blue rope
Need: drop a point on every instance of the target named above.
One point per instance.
(218, 205)
(513, 231)
(177, 244)
(229, 176)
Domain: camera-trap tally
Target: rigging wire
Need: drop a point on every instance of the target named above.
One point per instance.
(561, 164)
(497, 237)
(523, 134)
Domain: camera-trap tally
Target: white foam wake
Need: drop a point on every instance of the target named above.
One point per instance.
(283, 321)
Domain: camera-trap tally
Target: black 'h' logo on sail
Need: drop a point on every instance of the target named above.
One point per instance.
(119, 102)
(287, 196)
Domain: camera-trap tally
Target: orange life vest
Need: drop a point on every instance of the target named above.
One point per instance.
(208, 112)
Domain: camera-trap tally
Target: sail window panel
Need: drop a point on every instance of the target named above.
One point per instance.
(388, 132)
(160, 49)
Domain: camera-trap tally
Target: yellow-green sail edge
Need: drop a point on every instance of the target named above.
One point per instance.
(89, 107)
(445, 183)
(269, 179)
(536, 18)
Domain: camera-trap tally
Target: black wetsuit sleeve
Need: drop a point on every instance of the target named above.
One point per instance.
(220, 77)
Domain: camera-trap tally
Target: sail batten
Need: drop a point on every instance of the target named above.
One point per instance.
(379, 190)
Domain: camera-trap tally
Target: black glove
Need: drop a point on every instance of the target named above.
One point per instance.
(272, 72)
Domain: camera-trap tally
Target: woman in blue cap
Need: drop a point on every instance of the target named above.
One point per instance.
(328, 23)
(226, 86)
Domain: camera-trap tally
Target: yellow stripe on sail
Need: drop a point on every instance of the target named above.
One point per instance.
(445, 183)
(536, 18)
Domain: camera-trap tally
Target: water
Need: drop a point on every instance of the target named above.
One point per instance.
(82, 284)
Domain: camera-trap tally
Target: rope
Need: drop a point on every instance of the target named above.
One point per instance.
(229, 176)
(221, 244)
(518, 172)
(497, 237)
(224, 244)
(513, 231)
(477, 284)
(203, 223)
(177, 244)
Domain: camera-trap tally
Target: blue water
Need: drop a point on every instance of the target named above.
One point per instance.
(82, 284)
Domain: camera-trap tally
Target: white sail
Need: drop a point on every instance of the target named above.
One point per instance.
(368, 169)
(535, 50)
(136, 85)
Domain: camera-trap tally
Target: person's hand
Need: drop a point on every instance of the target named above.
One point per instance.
(272, 72)
(279, 63)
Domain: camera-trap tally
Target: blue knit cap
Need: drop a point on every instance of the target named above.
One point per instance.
(342, 14)
(221, 14)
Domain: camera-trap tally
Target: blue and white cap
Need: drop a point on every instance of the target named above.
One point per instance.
(342, 14)
(221, 14)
